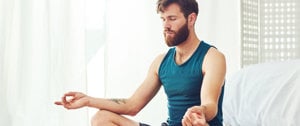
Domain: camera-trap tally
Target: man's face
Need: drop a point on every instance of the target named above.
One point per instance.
(174, 38)
(175, 25)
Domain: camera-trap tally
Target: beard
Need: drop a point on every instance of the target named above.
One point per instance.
(179, 36)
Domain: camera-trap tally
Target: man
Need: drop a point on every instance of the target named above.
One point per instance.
(192, 74)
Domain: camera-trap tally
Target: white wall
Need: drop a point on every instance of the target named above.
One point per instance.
(219, 23)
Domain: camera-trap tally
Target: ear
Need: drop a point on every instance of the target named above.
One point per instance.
(192, 18)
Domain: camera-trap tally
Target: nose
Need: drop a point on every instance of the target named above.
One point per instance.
(166, 25)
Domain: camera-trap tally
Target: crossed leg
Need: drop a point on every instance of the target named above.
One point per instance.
(107, 118)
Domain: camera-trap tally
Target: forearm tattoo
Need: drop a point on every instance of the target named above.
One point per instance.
(118, 101)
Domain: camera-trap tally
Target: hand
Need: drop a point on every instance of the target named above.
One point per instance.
(73, 100)
(194, 116)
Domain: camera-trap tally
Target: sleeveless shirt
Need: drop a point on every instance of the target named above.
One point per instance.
(182, 84)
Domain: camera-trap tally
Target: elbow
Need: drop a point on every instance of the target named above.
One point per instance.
(133, 111)
(133, 108)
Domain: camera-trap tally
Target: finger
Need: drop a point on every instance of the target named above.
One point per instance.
(64, 100)
(67, 106)
(198, 115)
(198, 120)
(183, 120)
(199, 112)
(71, 96)
(188, 124)
(195, 115)
(195, 109)
(71, 93)
(190, 116)
(58, 103)
(68, 97)
(188, 113)
(186, 121)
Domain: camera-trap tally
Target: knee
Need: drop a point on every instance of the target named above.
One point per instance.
(100, 118)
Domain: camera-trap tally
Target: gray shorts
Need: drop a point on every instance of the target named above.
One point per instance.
(162, 124)
(142, 124)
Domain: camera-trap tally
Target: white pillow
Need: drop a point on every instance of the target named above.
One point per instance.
(264, 95)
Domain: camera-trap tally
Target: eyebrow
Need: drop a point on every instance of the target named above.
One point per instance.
(170, 16)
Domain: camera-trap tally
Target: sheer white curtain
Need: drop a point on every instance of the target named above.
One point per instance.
(134, 39)
(42, 55)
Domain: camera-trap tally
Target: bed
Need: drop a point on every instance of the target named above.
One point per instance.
(266, 94)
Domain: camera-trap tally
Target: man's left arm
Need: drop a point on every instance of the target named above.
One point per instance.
(214, 70)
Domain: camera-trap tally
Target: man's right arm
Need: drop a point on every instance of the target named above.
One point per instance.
(131, 106)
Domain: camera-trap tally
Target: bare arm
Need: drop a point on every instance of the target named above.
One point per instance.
(129, 106)
(214, 70)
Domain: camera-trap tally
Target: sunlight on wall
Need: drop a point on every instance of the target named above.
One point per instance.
(134, 39)
(95, 78)
(95, 14)
(95, 38)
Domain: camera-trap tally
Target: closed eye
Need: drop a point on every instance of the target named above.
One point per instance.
(172, 18)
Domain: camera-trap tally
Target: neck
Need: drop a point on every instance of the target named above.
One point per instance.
(188, 46)
(185, 50)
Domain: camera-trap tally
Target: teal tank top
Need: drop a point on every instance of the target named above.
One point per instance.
(182, 84)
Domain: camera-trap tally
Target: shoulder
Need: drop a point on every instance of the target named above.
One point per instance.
(214, 53)
(214, 59)
(157, 61)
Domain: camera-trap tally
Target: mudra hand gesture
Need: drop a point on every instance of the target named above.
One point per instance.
(194, 116)
(73, 100)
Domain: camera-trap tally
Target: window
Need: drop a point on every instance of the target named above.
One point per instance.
(269, 30)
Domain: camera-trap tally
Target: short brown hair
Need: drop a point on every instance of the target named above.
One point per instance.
(187, 6)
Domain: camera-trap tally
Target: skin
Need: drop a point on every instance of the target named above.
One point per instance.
(214, 69)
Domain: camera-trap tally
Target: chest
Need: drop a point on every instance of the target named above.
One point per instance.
(182, 81)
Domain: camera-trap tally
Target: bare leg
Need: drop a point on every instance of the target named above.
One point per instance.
(107, 118)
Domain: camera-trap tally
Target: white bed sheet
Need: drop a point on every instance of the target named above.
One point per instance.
(264, 95)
